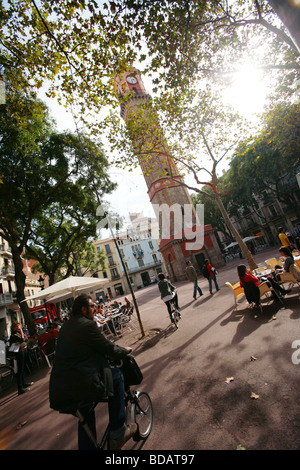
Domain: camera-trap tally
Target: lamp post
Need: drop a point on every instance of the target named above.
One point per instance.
(41, 280)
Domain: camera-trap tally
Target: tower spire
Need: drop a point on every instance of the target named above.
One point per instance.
(165, 188)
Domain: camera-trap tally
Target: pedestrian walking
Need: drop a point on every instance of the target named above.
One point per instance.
(192, 276)
(210, 272)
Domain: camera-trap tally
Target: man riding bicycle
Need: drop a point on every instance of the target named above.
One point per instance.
(168, 293)
(81, 375)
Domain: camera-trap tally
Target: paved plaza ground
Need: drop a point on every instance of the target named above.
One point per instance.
(185, 373)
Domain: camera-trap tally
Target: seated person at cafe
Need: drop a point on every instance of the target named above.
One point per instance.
(46, 337)
(126, 307)
(55, 329)
(249, 282)
(116, 304)
(289, 260)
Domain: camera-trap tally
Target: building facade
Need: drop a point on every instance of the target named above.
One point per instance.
(9, 308)
(266, 216)
(137, 253)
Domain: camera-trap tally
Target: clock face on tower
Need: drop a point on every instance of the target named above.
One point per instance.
(131, 80)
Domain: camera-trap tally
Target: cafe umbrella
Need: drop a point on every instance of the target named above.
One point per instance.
(69, 287)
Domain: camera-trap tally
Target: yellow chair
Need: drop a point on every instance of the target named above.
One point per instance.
(237, 291)
(292, 276)
(297, 262)
(271, 263)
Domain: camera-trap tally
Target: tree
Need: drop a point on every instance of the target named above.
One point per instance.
(290, 15)
(71, 46)
(61, 240)
(265, 163)
(39, 168)
(212, 212)
(192, 39)
(191, 139)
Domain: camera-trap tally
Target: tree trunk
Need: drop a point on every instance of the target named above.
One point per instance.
(20, 278)
(289, 13)
(251, 263)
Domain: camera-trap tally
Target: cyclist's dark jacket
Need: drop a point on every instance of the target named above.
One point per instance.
(165, 287)
(81, 373)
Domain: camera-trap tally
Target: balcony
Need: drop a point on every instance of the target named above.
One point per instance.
(7, 271)
(145, 266)
(5, 250)
(6, 299)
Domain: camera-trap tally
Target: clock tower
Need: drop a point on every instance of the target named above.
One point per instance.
(182, 235)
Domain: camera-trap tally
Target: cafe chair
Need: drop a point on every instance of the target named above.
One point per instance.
(48, 350)
(292, 277)
(237, 291)
(126, 320)
(272, 262)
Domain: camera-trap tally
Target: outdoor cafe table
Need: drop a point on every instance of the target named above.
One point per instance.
(113, 315)
(266, 272)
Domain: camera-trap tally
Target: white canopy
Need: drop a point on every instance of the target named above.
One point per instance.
(246, 239)
(69, 287)
(231, 245)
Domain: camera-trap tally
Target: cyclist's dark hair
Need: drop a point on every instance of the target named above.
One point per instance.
(161, 276)
(81, 301)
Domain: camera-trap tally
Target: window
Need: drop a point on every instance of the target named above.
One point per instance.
(110, 260)
(141, 262)
(151, 245)
(122, 253)
(107, 249)
(104, 274)
(155, 258)
(114, 272)
(272, 210)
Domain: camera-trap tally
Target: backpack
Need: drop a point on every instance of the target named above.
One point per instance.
(205, 272)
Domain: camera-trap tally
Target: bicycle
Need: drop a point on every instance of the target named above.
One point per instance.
(141, 413)
(175, 314)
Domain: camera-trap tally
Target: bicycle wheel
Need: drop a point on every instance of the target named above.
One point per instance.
(6, 378)
(142, 414)
(175, 318)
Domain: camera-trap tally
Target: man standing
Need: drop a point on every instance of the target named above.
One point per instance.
(192, 276)
(81, 375)
(210, 273)
(284, 239)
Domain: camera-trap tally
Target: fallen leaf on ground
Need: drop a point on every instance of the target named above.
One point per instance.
(229, 379)
(252, 358)
(240, 447)
(20, 425)
(254, 396)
